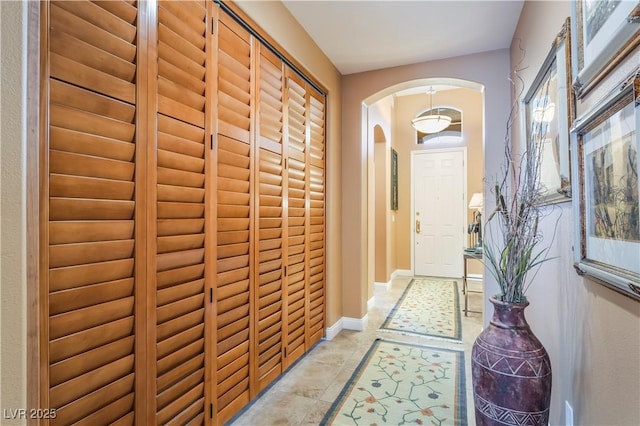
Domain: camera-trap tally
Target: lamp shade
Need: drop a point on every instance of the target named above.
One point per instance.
(431, 123)
(477, 202)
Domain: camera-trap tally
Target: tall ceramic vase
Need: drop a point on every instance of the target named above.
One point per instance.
(511, 371)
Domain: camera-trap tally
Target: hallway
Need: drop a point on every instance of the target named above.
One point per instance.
(303, 394)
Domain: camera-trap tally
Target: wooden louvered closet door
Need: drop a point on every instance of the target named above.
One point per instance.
(92, 188)
(182, 213)
(234, 212)
(317, 177)
(182, 244)
(297, 217)
(271, 237)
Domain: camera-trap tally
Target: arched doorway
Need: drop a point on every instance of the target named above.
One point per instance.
(392, 241)
(487, 72)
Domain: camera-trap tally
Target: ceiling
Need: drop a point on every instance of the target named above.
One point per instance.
(366, 35)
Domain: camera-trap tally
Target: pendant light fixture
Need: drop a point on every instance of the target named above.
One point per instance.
(544, 110)
(428, 122)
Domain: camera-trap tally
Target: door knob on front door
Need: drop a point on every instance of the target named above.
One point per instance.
(417, 226)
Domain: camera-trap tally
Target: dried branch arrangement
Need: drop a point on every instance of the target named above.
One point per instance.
(519, 194)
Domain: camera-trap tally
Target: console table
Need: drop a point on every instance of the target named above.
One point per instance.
(468, 255)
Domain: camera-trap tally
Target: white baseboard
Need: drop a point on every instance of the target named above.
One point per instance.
(357, 324)
(382, 286)
(346, 323)
(371, 302)
(334, 330)
(401, 273)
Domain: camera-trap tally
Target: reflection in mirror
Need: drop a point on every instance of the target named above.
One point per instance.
(549, 108)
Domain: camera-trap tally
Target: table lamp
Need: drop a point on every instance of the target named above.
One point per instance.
(476, 204)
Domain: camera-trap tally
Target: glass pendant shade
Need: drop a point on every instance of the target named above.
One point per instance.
(431, 123)
(544, 114)
(543, 110)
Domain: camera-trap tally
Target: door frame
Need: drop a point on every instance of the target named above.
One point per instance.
(414, 154)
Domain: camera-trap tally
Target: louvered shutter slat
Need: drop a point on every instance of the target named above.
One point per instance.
(83, 165)
(234, 225)
(94, 401)
(271, 234)
(297, 192)
(92, 380)
(117, 413)
(316, 216)
(84, 30)
(89, 339)
(112, 23)
(180, 195)
(92, 202)
(174, 375)
(86, 100)
(72, 141)
(67, 69)
(191, 13)
(130, 259)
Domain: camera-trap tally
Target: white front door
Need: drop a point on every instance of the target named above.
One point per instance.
(438, 216)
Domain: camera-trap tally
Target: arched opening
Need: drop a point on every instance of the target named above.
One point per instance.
(390, 242)
(378, 134)
(483, 73)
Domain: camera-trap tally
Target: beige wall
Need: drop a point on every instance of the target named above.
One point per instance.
(13, 331)
(592, 333)
(379, 140)
(381, 155)
(489, 69)
(407, 107)
(276, 21)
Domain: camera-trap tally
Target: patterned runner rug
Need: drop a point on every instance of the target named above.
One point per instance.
(400, 383)
(428, 307)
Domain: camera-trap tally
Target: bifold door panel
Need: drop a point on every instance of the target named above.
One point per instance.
(182, 215)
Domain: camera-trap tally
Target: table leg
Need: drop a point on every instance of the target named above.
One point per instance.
(464, 286)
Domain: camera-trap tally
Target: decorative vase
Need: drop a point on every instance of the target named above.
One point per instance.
(511, 370)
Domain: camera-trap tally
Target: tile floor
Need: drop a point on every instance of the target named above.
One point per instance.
(304, 394)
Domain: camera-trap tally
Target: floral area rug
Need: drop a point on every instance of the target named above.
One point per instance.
(428, 307)
(401, 383)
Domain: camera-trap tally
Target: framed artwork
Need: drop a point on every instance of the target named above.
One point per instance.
(606, 31)
(549, 112)
(607, 142)
(394, 179)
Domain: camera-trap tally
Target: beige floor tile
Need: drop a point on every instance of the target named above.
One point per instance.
(304, 394)
(277, 408)
(316, 414)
